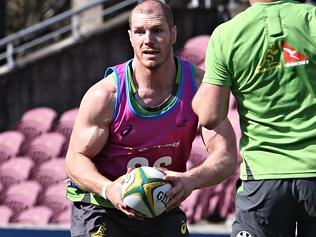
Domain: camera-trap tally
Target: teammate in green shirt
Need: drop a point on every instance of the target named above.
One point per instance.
(266, 56)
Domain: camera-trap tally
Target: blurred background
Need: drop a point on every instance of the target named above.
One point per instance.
(51, 52)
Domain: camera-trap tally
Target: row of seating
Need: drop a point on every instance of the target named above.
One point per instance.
(32, 174)
(18, 169)
(37, 136)
(27, 202)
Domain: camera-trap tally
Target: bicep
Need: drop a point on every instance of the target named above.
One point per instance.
(222, 136)
(91, 129)
(87, 138)
(211, 104)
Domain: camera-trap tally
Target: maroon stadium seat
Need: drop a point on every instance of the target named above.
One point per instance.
(45, 116)
(200, 42)
(63, 218)
(35, 122)
(37, 215)
(50, 172)
(22, 195)
(194, 50)
(69, 115)
(10, 144)
(45, 147)
(54, 197)
(65, 126)
(66, 122)
(15, 170)
(192, 55)
(5, 215)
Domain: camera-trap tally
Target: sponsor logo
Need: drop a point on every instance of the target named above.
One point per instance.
(272, 58)
(162, 197)
(183, 228)
(126, 131)
(292, 57)
(174, 144)
(243, 233)
(101, 231)
(183, 123)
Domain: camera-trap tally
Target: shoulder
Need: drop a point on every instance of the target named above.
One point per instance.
(99, 100)
(102, 91)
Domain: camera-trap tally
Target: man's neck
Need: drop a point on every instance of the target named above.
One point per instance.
(155, 78)
(252, 2)
(153, 86)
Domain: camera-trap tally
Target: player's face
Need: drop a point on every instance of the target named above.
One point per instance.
(151, 38)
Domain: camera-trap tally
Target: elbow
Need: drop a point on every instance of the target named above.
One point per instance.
(232, 167)
(68, 168)
(210, 121)
(233, 163)
(208, 118)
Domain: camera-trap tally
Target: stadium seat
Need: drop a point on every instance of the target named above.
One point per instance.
(45, 147)
(54, 197)
(37, 215)
(50, 172)
(5, 215)
(69, 115)
(22, 195)
(10, 144)
(35, 122)
(194, 50)
(2, 192)
(63, 218)
(198, 153)
(66, 122)
(199, 42)
(15, 170)
(45, 116)
(65, 125)
(192, 55)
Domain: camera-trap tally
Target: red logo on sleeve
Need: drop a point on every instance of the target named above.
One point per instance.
(293, 57)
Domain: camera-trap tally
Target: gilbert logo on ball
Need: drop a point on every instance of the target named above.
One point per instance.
(144, 191)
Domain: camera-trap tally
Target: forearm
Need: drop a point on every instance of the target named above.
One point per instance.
(219, 166)
(83, 172)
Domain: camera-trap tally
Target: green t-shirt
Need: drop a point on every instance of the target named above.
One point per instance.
(267, 55)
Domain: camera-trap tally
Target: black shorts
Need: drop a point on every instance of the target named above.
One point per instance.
(91, 220)
(276, 208)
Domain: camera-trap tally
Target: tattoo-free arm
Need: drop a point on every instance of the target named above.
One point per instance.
(211, 104)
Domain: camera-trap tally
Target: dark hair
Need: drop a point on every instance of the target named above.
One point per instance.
(166, 9)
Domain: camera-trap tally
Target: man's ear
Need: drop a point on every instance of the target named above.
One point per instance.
(174, 34)
(130, 37)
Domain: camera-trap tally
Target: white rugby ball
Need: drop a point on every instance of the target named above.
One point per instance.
(144, 191)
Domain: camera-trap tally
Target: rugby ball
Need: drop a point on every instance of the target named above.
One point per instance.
(144, 191)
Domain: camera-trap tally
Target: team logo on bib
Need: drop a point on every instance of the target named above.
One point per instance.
(101, 231)
(183, 228)
(243, 233)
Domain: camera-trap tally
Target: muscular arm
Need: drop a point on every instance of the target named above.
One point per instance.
(222, 160)
(218, 166)
(89, 135)
(211, 104)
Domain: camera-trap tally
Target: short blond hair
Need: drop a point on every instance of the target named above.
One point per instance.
(166, 10)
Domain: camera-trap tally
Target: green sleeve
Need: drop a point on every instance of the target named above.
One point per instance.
(216, 71)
